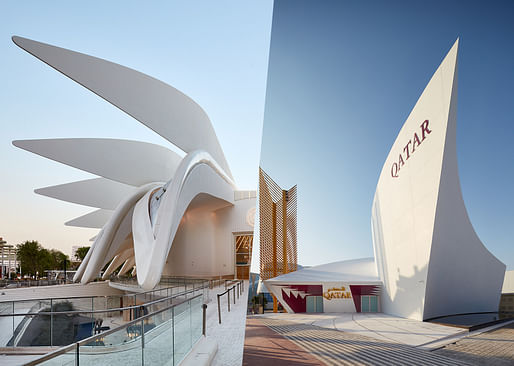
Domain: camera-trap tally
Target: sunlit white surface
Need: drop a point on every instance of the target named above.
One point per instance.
(158, 198)
(428, 255)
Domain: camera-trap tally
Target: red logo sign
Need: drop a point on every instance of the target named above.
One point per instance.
(410, 148)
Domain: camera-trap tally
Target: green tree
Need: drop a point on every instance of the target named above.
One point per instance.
(36, 259)
(29, 255)
(81, 252)
(45, 261)
(58, 259)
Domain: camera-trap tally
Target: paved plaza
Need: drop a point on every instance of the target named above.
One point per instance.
(387, 328)
(333, 347)
(264, 347)
(300, 342)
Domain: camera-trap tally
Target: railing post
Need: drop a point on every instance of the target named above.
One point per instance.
(77, 354)
(234, 288)
(92, 315)
(228, 302)
(142, 342)
(219, 309)
(51, 322)
(173, 332)
(13, 323)
(190, 323)
(133, 311)
(237, 286)
(204, 308)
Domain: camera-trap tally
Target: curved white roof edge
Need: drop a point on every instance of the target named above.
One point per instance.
(508, 283)
(126, 161)
(157, 105)
(198, 173)
(97, 192)
(354, 270)
(92, 220)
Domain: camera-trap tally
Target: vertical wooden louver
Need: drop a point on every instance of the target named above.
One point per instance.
(277, 228)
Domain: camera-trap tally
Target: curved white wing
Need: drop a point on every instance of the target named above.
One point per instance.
(121, 240)
(93, 220)
(118, 261)
(157, 105)
(96, 192)
(197, 174)
(85, 261)
(113, 233)
(125, 161)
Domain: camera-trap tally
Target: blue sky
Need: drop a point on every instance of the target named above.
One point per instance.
(215, 52)
(343, 77)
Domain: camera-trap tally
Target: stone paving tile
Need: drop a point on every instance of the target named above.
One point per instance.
(341, 348)
(264, 347)
(495, 348)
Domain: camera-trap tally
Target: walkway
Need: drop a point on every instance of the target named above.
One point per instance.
(341, 348)
(230, 334)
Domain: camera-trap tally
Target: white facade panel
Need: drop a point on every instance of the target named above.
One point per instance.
(428, 255)
(337, 298)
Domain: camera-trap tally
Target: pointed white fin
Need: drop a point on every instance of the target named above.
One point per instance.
(96, 192)
(125, 161)
(429, 257)
(127, 266)
(157, 105)
(94, 220)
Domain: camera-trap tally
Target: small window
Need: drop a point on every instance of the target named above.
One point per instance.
(314, 304)
(369, 304)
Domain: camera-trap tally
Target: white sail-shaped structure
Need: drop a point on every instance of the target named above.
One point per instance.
(428, 255)
(158, 212)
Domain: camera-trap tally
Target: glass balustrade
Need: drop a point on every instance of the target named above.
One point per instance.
(62, 321)
(164, 337)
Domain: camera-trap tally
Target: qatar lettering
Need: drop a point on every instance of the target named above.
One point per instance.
(410, 148)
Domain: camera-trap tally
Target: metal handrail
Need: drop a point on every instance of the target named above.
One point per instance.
(87, 297)
(82, 342)
(91, 312)
(240, 289)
